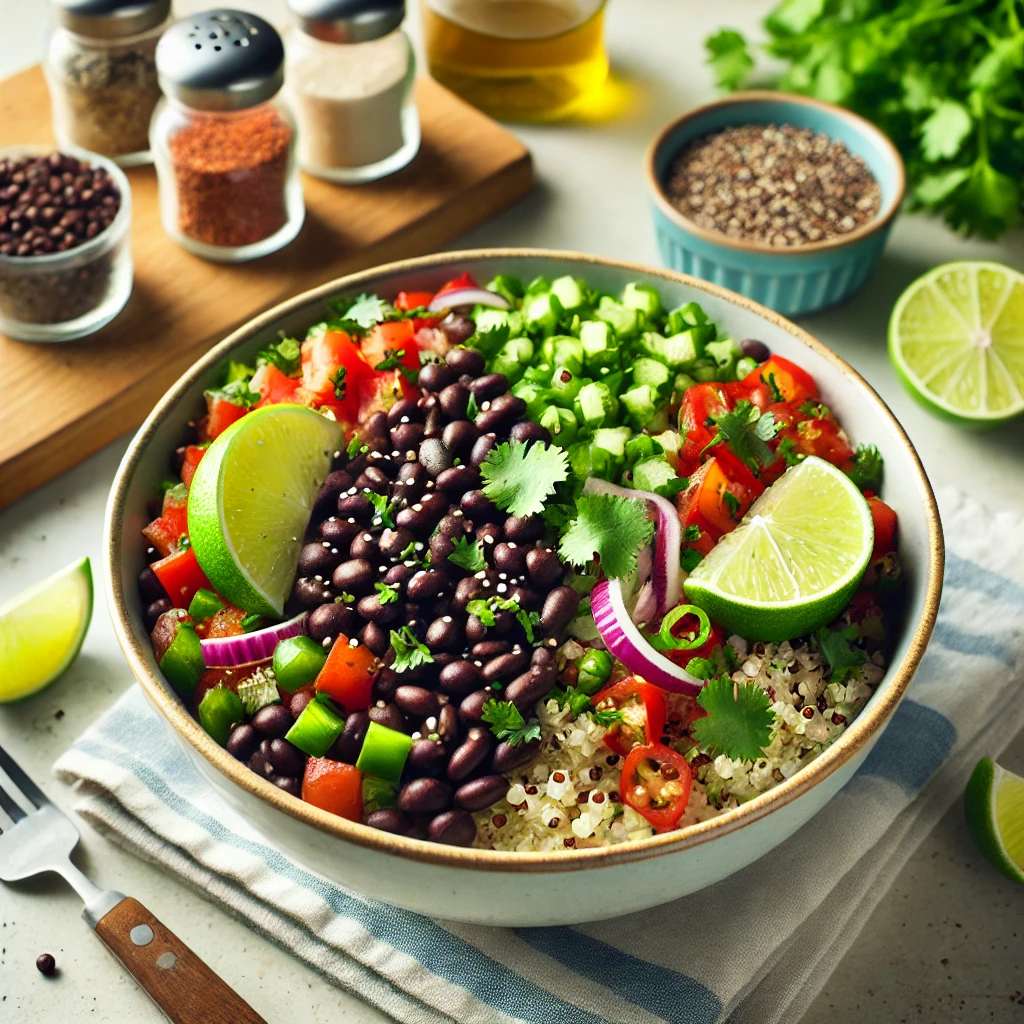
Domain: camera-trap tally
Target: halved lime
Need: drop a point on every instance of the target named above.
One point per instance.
(250, 501)
(994, 805)
(956, 339)
(42, 629)
(793, 562)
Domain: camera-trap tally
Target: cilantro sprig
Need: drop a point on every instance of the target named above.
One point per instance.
(840, 655)
(867, 468)
(747, 431)
(484, 610)
(520, 477)
(609, 526)
(739, 719)
(409, 652)
(385, 593)
(468, 554)
(507, 723)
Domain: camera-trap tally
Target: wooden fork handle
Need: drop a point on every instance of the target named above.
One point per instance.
(176, 979)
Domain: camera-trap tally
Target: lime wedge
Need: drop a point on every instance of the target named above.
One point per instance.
(793, 562)
(251, 498)
(994, 805)
(42, 629)
(956, 339)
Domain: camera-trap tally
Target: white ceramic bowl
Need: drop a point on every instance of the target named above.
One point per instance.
(540, 888)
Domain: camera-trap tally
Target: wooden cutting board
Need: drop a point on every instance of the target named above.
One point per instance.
(63, 402)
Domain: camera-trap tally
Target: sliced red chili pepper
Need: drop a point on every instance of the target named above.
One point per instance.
(643, 706)
(655, 782)
(181, 577)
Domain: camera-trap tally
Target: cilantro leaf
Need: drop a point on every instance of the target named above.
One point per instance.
(689, 559)
(409, 652)
(944, 131)
(237, 392)
(841, 656)
(392, 360)
(489, 342)
(507, 723)
(365, 311)
(867, 468)
(354, 444)
(383, 507)
(739, 719)
(691, 534)
(746, 430)
(789, 452)
(482, 610)
(338, 380)
(611, 527)
(468, 555)
(387, 595)
(285, 355)
(519, 477)
(728, 57)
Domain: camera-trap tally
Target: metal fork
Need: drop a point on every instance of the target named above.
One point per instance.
(176, 979)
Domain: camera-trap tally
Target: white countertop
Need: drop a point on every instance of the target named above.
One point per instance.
(945, 943)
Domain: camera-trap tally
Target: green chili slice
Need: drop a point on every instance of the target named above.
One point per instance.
(665, 641)
(384, 752)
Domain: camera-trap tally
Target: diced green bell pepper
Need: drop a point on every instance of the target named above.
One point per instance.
(316, 729)
(642, 297)
(298, 661)
(542, 313)
(220, 711)
(594, 670)
(650, 474)
(652, 372)
(639, 402)
(509, 287)
(623, 320)
(384, 752)
(560, 424)
(561, 350)
(204, 604)
(595, 404)
(568, 292)
(182, 663)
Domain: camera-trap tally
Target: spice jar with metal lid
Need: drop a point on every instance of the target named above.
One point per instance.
(350, 69)
(222, 140)
(101, 70)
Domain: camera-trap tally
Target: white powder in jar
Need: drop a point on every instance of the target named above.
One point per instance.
(348, 99)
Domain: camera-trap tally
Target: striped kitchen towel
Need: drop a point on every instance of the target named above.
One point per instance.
(735, 952)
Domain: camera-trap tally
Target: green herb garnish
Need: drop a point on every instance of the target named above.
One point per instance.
(386, 594)
(610, 527)
(867, 468)
(840, 655)
(520, 477)
(468, 555)
(409, 652)
(507, 723)
(746, 430)
(739, 719)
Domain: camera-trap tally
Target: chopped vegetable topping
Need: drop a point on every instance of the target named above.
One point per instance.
(385, 593)
(867, 468)
(842, 657)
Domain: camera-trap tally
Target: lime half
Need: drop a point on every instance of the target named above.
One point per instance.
(994, 804)
(251, 498)
(42, 629)
(956, 339)
(795, 559)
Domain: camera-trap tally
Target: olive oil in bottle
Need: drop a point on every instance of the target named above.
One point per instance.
(518, 60)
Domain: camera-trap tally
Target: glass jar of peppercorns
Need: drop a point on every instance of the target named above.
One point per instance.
(65, 245)
(223, 143)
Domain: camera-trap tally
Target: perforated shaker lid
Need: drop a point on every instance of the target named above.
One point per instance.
(111, 19)
(220, 60)
(348, 21)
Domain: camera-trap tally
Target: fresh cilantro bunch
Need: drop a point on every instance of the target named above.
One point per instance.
(747, 431)
(942, 78)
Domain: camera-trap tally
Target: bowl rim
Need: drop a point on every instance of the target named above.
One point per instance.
(135, 646)
(860, 124)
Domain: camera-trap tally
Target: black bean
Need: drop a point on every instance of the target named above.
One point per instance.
(388, 819)
(506, 756)
(426, 757)
(339, 531)
(527, 598)
(527, 430)
(459, 437)
(426, 585)
(421, 796)
(466, 360)
(298, 700)
(510, 558)
(400, 573)
(355, 506)
(375, 426)
(477, 506)
(371, 609)
(348, 745)
(454, 400)
(435, 456)
(365, 545)
(312, 593)
(434, 423)
(150, 587)
(358, 464)
(503, 623)
(457, 328)
(46, 964)
(390, 715)
(489, 535)
(394, 541)
(406, 437)
(332, 620)
(469, 588)
(754, 349)
(273, 721)
(459, 678)
(503, 412)
(286, 758)
(440, 548)
(453, 828)
(412, 471)
(417, 701)
(374, 478)
(471, 708)
(243, 741)
(452, 525)
(482, 448)
(259, 764)
(543, 566)
(445, 634)
(525, 690)
(156, 609)
(490, 649)
(289, 785)
(386, 682)
(489, 386)
(523, 529)
(505, 666)
(459, 479)
(404, 408)
(376, 639)
(475, 630)
(318, 558)
(559, 608)
(470, 754)
(481, 793)
(449, 727)
(436, 376)
(354, 576)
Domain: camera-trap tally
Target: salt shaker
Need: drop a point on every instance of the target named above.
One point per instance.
(101, 69)
(223, 141)
(350, 69)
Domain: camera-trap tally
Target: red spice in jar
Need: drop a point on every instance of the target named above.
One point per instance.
(231, 174)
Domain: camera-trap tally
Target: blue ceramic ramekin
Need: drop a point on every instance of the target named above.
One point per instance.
(790, 281)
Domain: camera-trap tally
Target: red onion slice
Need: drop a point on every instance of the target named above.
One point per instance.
(668, 539)
(467, 297)
(626, 643)
(225, 651)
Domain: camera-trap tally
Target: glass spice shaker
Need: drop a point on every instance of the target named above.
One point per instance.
(223, 144)
(101, 70)
(350, 71)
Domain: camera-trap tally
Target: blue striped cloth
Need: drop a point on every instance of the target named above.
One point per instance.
(754, 949)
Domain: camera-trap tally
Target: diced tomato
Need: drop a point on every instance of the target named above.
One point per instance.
(226, 677)
(379, 393)
(334, 786)
(274, 387)
(726, 490)
(225, 622)
(180, 576)
(387, 339)
(193, 455)
(884, 519)
(644, 711)
(322, 356)
(347, 675)
(166, 531)
(655, 782)
(795, 385)
(822, 437)
(690, 514)
(220, 415)
(745, 391)
(699, 402)
(413, 300)
(456, 284)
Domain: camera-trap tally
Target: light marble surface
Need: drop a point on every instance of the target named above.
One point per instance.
(945, 943)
